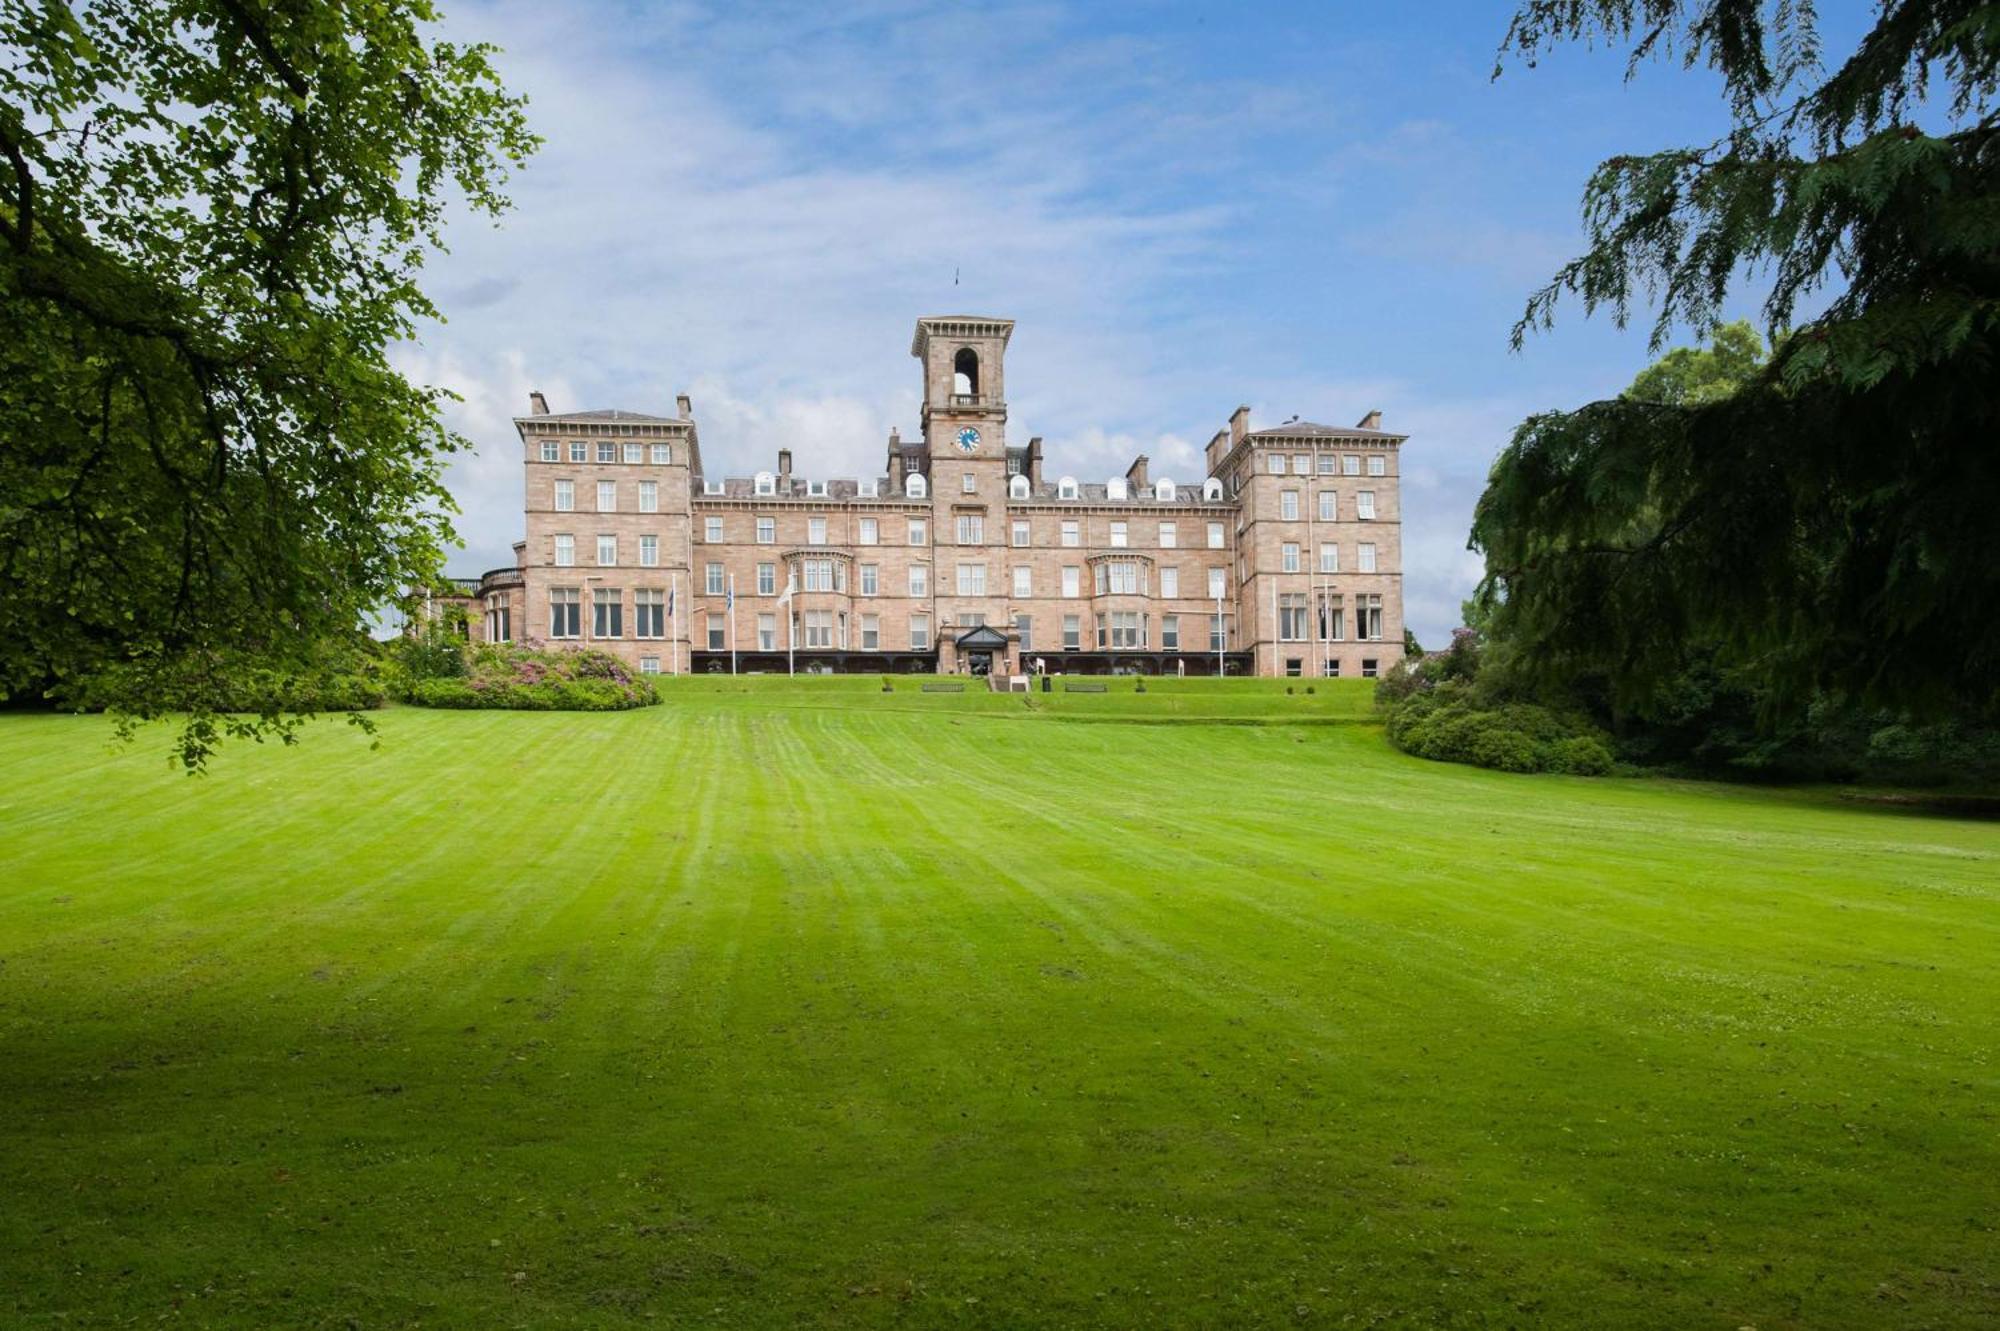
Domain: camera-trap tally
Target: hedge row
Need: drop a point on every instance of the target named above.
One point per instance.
(549, 695)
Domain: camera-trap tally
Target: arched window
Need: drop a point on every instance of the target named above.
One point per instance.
(1211, 489)
(766, 483)
(1017, 487)
(1066, 488)
(1163, 490)
(965, 372)
(914, 486)
(1115, 488)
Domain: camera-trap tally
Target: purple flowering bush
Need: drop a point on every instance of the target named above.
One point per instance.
(529, 678)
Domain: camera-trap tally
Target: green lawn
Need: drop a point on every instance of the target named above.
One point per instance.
(796, 1003)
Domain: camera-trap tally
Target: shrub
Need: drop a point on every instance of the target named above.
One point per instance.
(338, 676)
(509, 678)
(1581, 755)
(1450, 723)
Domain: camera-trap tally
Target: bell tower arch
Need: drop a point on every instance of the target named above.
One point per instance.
(965, 382)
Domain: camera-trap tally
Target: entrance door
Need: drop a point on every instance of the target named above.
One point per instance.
(982, 663)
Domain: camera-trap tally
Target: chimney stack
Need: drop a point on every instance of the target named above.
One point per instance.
(1217, 446)
(1135, 475)
(686, 405)
(537, 404)
(1239, 425)
(784, 471)
(1035, 461)
(1372, 421)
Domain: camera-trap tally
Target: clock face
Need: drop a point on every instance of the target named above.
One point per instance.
(968, 439)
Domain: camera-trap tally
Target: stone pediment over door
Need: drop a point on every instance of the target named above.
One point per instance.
(985, 638)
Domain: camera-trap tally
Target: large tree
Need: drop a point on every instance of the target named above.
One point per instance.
(1832, 523)
(213, 216)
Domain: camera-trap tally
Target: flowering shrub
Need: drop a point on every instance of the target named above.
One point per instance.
(506, 677)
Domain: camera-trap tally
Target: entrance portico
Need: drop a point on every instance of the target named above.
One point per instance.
(978, 651)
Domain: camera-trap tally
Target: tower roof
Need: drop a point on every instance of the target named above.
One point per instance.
(959, 325)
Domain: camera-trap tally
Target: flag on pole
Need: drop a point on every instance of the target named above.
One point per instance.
(791, 585)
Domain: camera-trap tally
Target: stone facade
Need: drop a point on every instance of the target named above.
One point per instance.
(962, 556)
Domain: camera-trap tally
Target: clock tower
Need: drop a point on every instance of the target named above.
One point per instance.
(965, 384)
(965, 440)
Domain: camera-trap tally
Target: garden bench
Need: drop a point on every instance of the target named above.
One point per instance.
(1085, 688)
(944, 688)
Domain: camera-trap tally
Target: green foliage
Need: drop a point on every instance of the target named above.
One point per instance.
(1452, 723)
(430, 649)
(1824, 525)
(510, 678)
(1686, 376)
(245, 696)
(1450, 707)
(212, 220)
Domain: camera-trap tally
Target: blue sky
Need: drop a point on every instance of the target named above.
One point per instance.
(1316, 209)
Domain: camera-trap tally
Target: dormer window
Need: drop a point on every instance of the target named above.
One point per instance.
(816, 489)
(1211, 490)
(914, 487)
(767, 484)
(1017, 487)
(711, 487)
(1115, 488)
(1163, 490)
(865, 490)
(1066, 488)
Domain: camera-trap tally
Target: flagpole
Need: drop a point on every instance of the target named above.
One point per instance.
(732, 623)
(1274, 626)
(1221, 635)
(785, 603)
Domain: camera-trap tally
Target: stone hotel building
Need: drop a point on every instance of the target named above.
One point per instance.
(965, 555)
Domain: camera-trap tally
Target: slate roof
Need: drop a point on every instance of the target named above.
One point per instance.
(604, 414)
(1314, 430)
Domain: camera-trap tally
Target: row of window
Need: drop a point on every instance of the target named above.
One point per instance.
(1115, 577)
(1291, 557)
(1329, 506)
(607, 551)
(968, 528)
(1302, 618)
(1110, 578)
(1371, 667)
(1325, 619)
(607, 612)
(579, 451)
(1326, 464)
(564, 497)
